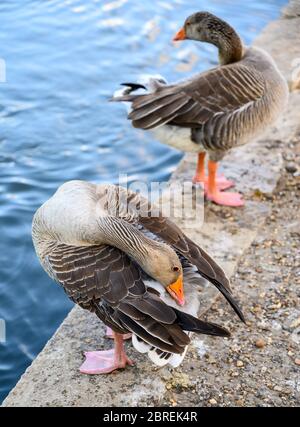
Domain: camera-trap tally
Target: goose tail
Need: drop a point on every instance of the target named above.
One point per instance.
(145, 84)
(188, 324)
(157, 356)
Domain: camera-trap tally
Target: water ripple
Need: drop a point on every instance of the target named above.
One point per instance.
(64, 59)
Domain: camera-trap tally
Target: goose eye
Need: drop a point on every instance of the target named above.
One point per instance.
(175, 268)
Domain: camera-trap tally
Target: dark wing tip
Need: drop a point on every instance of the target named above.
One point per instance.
(134, 86)
(217, 330)
(241, 316)
(228, 295)
(191, 323)
(233, 303)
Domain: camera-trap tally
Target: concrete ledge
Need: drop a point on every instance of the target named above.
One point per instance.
(53, 378)
(292, 10)
(281, 39)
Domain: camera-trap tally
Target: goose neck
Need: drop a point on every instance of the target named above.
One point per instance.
(230, 47)
(130, 240)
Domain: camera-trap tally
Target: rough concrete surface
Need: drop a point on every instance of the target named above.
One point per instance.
(260, 364)
(257, 245)
(281, 39)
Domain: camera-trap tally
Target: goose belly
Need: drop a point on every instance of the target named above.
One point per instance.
(177, 137)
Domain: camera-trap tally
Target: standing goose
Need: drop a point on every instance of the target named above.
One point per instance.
(216, 110)
(112, 258)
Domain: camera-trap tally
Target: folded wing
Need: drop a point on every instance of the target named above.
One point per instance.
(106, 281)
(192, 103)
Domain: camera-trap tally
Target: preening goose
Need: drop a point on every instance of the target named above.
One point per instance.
(216, 110)
(111, 257)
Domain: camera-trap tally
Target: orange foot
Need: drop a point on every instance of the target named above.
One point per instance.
(222, 183)
(104, 362)
(225, 199)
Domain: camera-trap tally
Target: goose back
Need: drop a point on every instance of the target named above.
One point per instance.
(104, 279)
(221, 108)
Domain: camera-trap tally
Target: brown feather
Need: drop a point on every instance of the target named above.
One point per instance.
(220, 90)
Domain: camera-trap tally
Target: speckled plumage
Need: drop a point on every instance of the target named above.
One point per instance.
(94, 245)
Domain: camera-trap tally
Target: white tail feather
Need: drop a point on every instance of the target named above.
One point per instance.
(140, 346)
(158, 359)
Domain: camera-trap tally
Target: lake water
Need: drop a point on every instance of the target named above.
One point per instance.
(63, 59)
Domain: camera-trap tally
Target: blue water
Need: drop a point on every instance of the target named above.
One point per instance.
(63, 60)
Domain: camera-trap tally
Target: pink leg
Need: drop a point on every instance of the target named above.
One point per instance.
(104, 362)
(110, 334)
(221, 182)
(213, 193)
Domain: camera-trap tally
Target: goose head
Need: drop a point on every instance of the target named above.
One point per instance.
(206, 27)
(164, 266)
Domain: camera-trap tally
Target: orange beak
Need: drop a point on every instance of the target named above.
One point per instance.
(180, 35)
(176, 290)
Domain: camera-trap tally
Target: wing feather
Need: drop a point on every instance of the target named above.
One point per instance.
(106, 281)
(220, 90)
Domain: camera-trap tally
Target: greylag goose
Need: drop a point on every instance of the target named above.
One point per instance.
(214, 111)
(112, 258)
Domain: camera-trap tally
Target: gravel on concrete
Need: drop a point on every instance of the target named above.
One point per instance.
(260, 364)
